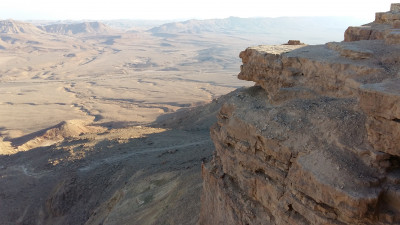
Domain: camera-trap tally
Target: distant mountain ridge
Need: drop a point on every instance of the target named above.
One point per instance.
(310, 30)
(281, 27)
(78, 28)
(253, 25)
(18, 27)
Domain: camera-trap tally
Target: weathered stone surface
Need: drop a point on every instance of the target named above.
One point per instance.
(396, 24)
(395, 7)
(381, 99)
(358, 33)
(381, 29)
(393, 37)
(316, 141)
(382, 102)
(387, 17)
(350, 51)
(281, 155)
(294, 42)
(325, 69)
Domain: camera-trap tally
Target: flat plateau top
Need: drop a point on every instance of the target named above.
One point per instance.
(389, 87)
(276, 49)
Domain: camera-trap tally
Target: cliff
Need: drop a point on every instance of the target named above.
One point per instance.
(316, 140)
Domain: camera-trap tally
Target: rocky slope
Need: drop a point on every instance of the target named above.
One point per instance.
(77, 173)
(130, 175)
(316, 141)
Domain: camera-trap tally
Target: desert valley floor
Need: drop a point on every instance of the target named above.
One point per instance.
(132, 77)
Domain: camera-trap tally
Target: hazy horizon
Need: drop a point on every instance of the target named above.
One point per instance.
(183, 10)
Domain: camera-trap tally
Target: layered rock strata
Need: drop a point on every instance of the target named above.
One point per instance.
(316, 140)
(385, 27)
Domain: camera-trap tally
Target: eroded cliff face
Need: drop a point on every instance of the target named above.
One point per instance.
(385, 27)
(317, 140)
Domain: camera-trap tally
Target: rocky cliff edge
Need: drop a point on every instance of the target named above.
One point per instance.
(316, 140)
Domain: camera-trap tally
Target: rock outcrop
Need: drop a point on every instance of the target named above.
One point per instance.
(385, 27)
(55, 134)
(316, 140)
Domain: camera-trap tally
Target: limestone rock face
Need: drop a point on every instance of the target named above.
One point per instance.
(315, 141)
(385, 27)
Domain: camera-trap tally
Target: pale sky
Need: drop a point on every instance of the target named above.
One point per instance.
(185, 9)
